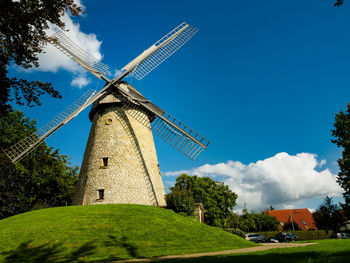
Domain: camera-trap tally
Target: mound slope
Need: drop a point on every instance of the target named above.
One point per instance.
(107, 232)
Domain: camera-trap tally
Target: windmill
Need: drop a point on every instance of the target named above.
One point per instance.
(120, 163)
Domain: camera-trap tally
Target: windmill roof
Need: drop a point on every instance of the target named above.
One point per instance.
(302, 217)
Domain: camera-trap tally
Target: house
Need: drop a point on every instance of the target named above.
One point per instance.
(302, 217)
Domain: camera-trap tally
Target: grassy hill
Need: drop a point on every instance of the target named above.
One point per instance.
(107, 232)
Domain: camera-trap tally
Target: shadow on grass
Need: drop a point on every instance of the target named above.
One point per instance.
(48, 253)
(113, 242)
(319, 257)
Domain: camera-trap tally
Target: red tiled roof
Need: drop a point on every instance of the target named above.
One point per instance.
(302, 217)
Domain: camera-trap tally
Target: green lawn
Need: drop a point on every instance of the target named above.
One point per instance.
(337, 251)
(107, 232)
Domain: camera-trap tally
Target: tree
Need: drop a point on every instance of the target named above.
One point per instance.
(327, 216)
(217, 198)
(252, 222)
(180, 202)
(247, 221)
(43, 179)
(22, 37)
(265, 222)
(341, 132)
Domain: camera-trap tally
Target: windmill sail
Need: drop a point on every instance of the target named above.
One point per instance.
(161, 50)
(169, 129)
(72, 50)
(17, 151)
(177, 134)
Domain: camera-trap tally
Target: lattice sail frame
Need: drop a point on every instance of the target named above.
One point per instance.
(161, 50)
(17, 151)
(72, 50)
(165, 126)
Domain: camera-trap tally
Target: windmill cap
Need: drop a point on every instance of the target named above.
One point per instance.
(114, 98)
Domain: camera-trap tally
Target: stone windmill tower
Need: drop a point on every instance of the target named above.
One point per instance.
(120, 163)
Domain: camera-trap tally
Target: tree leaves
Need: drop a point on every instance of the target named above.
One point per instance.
(43, 179)
(327, 216)
(218, 200)
(22, 38)
(341, 132)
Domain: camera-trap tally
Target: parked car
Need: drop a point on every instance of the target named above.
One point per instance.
(284, 237)
(254, 237)
(340, 235)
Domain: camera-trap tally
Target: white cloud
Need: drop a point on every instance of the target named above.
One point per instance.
(284, 181)
(322, 163)
(80, 82)
(53, 59)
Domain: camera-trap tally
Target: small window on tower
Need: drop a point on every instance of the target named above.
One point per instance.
(104, 164)
(101, 194)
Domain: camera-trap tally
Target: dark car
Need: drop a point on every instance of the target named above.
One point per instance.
(254, 237)
(284, 237)
(340, 235)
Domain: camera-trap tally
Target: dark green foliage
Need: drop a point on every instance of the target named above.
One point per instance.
(265, 222)
(327, 215)
(341, 132)
(218, 200)
(252, 222)
(289, 226)
(43, 179)
(22, 37)
(180, 202)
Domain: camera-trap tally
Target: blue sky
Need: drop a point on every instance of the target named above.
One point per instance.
(262, 80)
